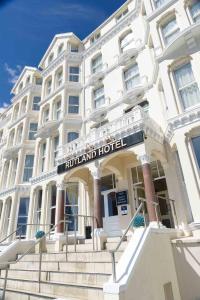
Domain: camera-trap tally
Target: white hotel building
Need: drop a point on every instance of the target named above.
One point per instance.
(116, 112)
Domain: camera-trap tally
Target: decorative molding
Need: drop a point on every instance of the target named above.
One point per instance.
(44, 176)
(160, 10)
(29, 88)
(182, 120)
(61, 186)
(144, 159)
(17, 188)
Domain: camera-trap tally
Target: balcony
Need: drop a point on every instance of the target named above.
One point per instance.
(135, 121)
(11, 151)
(125, 57)
(136, 91)
(97, 114)
(99, 75)
(46, 129)
(187, 42)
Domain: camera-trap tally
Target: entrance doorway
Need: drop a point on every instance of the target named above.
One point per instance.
(111, 222)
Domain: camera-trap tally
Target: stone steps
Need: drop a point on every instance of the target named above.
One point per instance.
(89, 256)
(52, 288)
(23, 295)
(93, 279)
(72, 266)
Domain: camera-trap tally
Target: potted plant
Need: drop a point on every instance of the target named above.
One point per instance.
(41, 242)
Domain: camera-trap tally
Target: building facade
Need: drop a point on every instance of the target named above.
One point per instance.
(107, 121)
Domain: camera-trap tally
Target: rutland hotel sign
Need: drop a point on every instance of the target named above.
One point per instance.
(102, 151)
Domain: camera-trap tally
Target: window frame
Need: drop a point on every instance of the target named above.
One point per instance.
(98, 99)
(28, 168)
(73, 105)
(32, 132)
(73, 75)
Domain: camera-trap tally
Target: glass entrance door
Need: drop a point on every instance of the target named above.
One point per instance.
(111, 222)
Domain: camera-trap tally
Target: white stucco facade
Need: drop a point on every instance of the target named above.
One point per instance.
(138, 73)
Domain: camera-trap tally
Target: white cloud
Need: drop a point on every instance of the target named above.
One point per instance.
(13, 73)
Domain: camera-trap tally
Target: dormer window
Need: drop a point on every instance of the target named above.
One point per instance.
(74, 48)
(50, 58)
(195, 11)
(97, 64)
(169, 31)
(95, 38)
(121, 15)
(60, 48)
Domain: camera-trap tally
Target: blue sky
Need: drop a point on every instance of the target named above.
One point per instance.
(28, 26)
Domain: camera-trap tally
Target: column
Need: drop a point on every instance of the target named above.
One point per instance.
(97, 198)
(149, 187)
(31, 214)
(14, 213)
(60, 207)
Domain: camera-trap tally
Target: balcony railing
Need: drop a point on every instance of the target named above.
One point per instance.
(11, 150)
(129, 123)
(125, 57)
(45, 129)
(136, 90)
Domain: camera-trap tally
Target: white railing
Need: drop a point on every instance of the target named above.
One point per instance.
(113, 130)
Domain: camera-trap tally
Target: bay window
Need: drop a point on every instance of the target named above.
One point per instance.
(126, 41)
(97, 64)
(43, 156)
(187, 86)
(169, 31)
(73, 105)
(56, 148)
(99, 97)
(32, 131)
(132, 77)
(74, 74)
(28, 167)
(57, 110)
(36, 101)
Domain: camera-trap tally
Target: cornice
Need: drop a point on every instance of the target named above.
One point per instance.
(44, 176)
(182, 120)
(16, 188)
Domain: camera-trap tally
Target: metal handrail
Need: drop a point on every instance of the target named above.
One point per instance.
(112, 252)
(20, 226)
(76, 216)
(8, 263)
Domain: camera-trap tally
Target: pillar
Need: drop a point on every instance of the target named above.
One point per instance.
(60, 207)
(149, 187)
(97, 199)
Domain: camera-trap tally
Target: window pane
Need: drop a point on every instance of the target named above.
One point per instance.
(72, 136)
(196, 146)
(170, 31)
(187, 87)
(195, 11)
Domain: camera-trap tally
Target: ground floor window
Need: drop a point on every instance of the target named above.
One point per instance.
(160, 185)
(71, 205)
(23, 216)
(196, 147)
(38, 207)
(53, 205)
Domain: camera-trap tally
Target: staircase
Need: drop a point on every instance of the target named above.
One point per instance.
(80, 277)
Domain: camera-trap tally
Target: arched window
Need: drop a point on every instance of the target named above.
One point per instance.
(19, 134)
(28, 79)
(132, 77)
(45, 116)
(11, 138)
(16, 112)
(57, 109)
(125, 41)
(48, 86)
(194, 8)
(170, 30)
(97, 64)
(59, 78)
(24, 104)
(99, 97)
(50, 58)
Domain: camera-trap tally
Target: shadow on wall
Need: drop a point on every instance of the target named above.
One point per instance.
(187, 262)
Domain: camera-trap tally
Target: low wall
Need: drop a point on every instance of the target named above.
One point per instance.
(187, 261)
(146, 270)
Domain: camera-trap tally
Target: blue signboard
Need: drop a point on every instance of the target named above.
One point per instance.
(122, 198)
